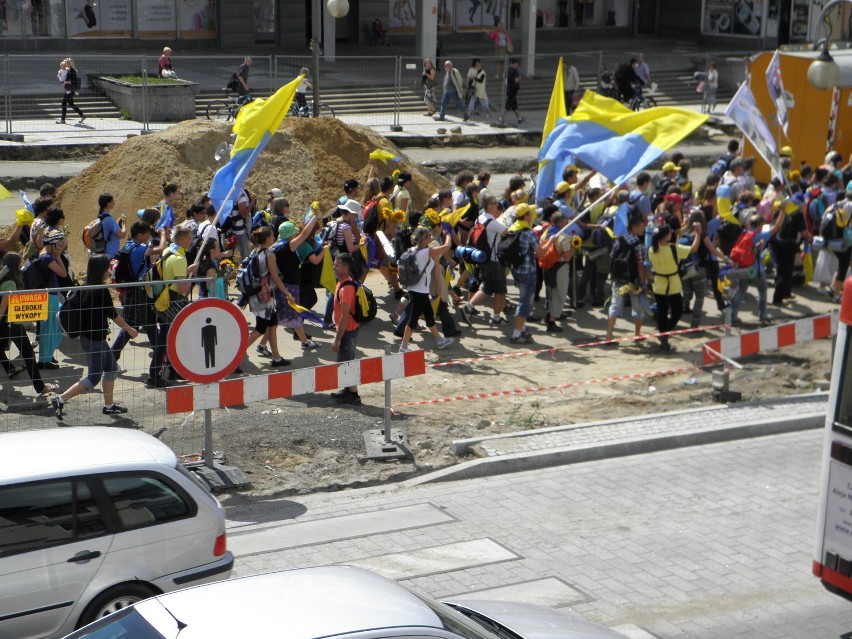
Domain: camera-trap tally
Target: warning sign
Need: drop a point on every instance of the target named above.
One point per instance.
(27, 307)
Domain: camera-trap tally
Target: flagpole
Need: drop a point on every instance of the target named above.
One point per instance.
(586, 211)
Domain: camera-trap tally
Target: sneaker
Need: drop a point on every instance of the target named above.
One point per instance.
(499, 320)
(466, 314)
(443, 342)
(276, 363)
(516, 339)
(115, 409)
(58, 404)
(521, 120)
(398, 294)
(553, 327)
(83, 119)
(306, 346)
(263, 350)
(405, 348)
(47, 366)
(348, 397)
(60, 122)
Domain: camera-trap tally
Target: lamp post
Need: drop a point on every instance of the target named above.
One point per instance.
(337, 9)
(824, 73)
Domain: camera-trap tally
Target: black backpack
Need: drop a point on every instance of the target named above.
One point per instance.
(70, 315)
(727, 234)
(33, 276)
(74, 79)
(358, 312)
(509, 250)
(624, 267)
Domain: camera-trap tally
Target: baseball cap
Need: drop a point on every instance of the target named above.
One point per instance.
(670, 166)
(522, 209)
(674, 197)
(352, 207)
(562, 187)
(276, 193)
(786, 151)
(351, 184)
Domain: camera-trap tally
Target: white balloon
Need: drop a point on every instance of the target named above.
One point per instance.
(338, 8)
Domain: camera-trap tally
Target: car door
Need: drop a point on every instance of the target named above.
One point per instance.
(53, 540)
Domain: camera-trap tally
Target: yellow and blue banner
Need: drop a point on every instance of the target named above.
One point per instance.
(612, 139)
(256, 122)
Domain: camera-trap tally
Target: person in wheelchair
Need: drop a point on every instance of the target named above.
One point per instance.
(380, 36)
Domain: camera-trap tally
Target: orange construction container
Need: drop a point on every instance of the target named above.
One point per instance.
(810, 115)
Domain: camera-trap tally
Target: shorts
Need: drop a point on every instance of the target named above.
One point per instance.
(347, 346)
(493, 276)
(617, 304)
(261, 324)
(512, 101)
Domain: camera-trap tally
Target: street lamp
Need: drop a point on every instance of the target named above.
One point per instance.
(824, 73)
(337, 9)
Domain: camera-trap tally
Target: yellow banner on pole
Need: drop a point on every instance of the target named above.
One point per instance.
(27, 307)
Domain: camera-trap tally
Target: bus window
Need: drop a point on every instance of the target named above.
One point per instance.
(843, 416)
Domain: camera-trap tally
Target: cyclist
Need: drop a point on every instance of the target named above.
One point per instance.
(242, 74)
(302, 89)
(625, 77)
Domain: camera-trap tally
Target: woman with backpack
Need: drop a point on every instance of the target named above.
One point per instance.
(286, 278)
(426, 258)
(665, 257)
(71, 83)
(10, 281)
(695, 287)
(96, 308)
(53, 271)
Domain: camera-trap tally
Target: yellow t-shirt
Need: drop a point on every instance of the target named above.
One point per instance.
(175, 267)
(666, 279)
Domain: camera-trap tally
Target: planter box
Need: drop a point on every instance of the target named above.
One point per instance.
(166, 102)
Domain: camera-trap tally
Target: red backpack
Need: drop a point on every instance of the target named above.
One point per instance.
(371, 215)
(478, 238)
(743, 252)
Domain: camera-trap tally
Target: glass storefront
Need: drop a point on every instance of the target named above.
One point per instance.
(144, 19)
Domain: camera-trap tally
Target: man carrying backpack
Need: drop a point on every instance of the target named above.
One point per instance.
(785, 243)
(346, 336)
(174, 267)
(629, 276)
(492, 272)
(747, 254)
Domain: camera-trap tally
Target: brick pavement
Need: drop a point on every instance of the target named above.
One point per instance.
(705, 542)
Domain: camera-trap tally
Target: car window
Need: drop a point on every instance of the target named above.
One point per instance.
(34, 516)
(143, 500)
(124, 624)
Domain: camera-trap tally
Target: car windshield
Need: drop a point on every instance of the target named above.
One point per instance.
(125, 624)
(454, 621)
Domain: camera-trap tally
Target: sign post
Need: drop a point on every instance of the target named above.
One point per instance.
(206, 342)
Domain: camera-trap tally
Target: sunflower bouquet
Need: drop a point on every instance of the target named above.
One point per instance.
(227, 269)
(431, 218)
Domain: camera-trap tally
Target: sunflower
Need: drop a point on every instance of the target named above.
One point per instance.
(431, 218)
(398, 216)
(576, 242)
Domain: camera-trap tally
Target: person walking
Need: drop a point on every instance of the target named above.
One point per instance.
(513, 85)
(453, 91)
(711, 87)
(94, 322)
(572, 83)
(429, 80)
(502, 46)
(346, 337)
(67, 75)
(476, 78)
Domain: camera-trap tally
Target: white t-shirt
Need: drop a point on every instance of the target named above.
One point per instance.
(427, 265)
(493, 232)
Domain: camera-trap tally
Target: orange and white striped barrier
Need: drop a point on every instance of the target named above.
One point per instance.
(770, 338)
(257, 388)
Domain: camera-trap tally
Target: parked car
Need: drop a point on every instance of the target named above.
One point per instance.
(93, 520)
(343, 602)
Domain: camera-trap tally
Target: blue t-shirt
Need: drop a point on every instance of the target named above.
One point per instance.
(642, 202)
(138, 260)
(111, 231)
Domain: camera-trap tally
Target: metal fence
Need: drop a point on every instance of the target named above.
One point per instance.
(64, 363)
(371, 90)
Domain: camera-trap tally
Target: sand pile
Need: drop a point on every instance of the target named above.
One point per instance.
(307, 158)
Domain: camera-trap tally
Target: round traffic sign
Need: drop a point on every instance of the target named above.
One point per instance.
(207, 340)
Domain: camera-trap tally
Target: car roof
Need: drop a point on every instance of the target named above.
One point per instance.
(302, 604)
(40, 454)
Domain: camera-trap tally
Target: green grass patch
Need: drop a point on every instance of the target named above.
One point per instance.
(137, 79)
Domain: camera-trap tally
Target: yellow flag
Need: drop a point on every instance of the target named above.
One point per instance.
(557, 108)
(4, 193)
(327, 278)
(453, 217)
(259, 117)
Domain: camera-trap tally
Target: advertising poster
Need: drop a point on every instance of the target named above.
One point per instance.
(102, 19)
(735, 17)
(480, 15)
(196, 18)
(403, 16)
(156, 18)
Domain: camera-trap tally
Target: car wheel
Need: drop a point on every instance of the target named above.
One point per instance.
(114, 599)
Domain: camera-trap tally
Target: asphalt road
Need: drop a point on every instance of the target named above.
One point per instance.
(706, 542)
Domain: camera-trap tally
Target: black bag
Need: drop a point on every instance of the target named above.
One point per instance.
(233, 84)
(624, 267)
(33, 276)
(70, 315)
(74, 79)
(509, 250)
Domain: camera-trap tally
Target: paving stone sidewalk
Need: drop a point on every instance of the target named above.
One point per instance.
(545, 447)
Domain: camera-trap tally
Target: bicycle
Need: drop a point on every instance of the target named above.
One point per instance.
(307, 111)
(641, 101)
(226, 110)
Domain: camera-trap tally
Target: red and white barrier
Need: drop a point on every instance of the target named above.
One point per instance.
(771, 338)
(244, 390)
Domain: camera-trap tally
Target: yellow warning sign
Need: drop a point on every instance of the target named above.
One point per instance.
(27, 307)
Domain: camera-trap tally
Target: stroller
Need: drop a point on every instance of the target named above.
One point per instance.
(380, 36)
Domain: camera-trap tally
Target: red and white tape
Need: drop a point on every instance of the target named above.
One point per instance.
(236, 392)
(541, 389)
(770, 338)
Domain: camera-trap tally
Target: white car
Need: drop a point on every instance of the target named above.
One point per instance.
(93, 520)
(343, 602)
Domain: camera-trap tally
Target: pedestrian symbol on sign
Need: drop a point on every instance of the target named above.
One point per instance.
(208, 343)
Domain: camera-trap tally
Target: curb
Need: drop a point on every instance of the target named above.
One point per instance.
(518, 462)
